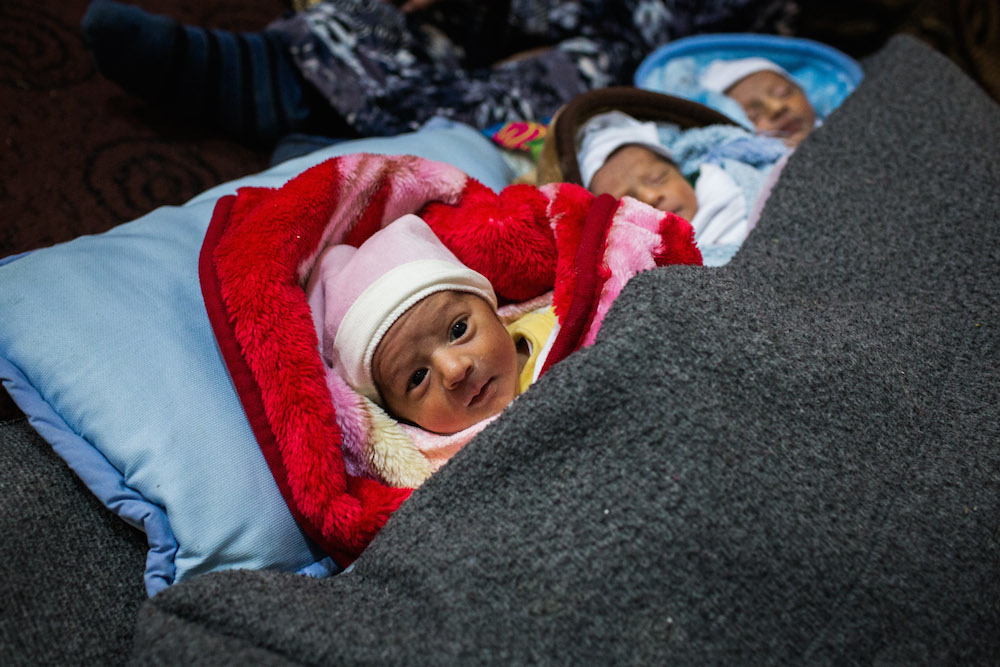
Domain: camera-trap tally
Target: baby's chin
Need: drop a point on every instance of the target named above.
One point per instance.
(685, 212)
(688, 213)
(503, 393)
(451, 428)
(793, 140)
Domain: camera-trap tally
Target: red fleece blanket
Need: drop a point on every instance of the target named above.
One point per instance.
(261, 246)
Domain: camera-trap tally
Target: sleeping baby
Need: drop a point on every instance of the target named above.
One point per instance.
(769, 96)
(414, 330)
(621, 156)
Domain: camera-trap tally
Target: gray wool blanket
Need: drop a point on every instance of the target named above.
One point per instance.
(791, 459)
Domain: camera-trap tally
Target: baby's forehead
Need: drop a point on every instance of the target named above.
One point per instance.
(758, 80)
(433, 307)
(637, 153)
(425, 318)
(443, 301)
(427, 314)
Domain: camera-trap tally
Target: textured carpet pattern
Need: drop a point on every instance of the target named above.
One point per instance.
(79, 155)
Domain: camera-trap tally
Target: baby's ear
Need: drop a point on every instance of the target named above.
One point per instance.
(506, 237)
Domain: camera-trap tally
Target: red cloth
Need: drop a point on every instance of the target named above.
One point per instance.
(262, 243)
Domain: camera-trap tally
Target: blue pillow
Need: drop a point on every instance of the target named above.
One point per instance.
(106, 347)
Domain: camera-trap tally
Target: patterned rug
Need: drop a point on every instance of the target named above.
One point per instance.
(80, 156)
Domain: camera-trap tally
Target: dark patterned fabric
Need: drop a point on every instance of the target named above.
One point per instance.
(386, 72)
(967, 31)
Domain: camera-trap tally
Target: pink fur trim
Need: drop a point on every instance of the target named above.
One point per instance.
(438, 449)
(381, 189)
(630, 244)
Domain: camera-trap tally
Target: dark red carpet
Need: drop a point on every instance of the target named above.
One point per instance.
(80, 156)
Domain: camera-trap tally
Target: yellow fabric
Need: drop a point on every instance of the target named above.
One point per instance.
(534, 328)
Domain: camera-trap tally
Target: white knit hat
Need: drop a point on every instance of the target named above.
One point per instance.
(720, 75)
(605, 133)
(368, 288)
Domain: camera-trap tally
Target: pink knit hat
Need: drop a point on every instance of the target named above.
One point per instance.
(366, 289)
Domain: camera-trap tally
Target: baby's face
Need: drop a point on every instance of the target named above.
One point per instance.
(640, 173)
(447, 363)
(776, 106)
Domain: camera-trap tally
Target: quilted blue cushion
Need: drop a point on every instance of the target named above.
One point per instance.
(106, 346)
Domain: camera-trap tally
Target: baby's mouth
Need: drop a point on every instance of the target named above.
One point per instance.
(790, 128)
(481, 395)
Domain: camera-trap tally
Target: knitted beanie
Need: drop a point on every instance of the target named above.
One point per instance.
(368, 288)
(605, 133)
(720, 75)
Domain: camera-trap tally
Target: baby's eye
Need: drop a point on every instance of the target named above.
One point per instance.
(458, 330)
(661, 176)
(416, 379)
(783, 90)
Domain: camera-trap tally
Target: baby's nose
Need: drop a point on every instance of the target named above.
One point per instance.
(774, 106)
(453, 366)
(653, 197)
